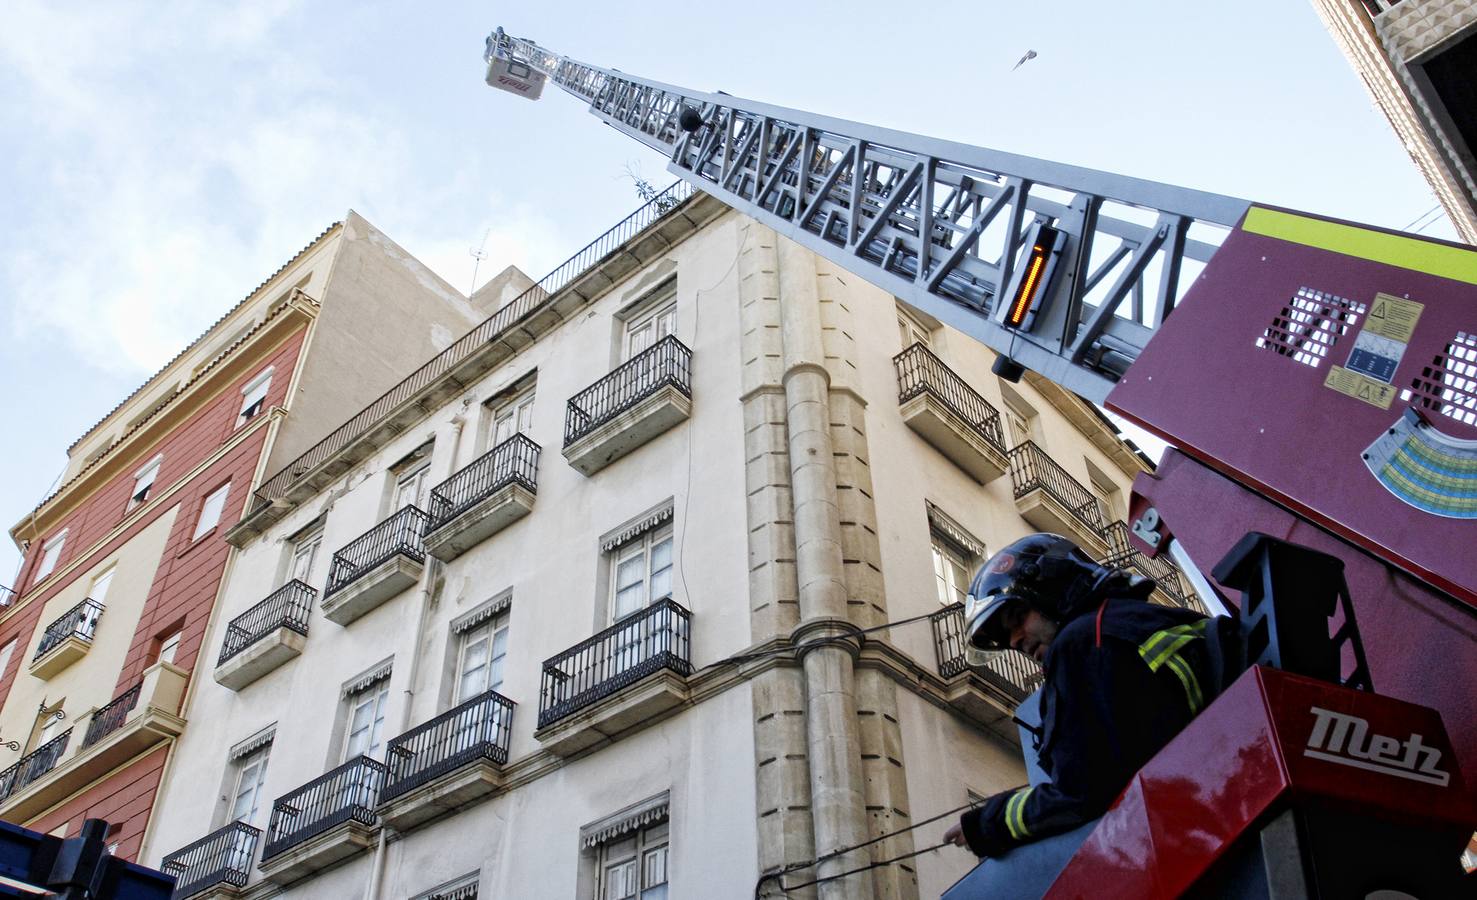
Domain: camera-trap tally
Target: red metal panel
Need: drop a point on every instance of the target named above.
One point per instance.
(1268, 420)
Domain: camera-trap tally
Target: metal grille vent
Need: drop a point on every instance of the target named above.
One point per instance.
(1449, 384)
(1309, 326)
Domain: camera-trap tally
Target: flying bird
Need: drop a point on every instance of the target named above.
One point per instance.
(1030, 54)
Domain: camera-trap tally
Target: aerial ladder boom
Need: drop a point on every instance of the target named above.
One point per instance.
(939, 224)
(1318, 383)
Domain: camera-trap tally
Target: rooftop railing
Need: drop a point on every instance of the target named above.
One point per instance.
(80, 621)
(1032, 469)
(221, 857)
(480, 728)
(286, 607)
(514, 461)
(400, 534)
(33, 765)
(667, 362)
(920, 372)
(108, 719)
(1016, 674)
(505, 318)
(348, 793)
(653, 639)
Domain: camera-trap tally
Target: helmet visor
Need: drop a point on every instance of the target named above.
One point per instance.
(992, 619)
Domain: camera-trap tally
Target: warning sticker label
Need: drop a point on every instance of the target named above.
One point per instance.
(1393, 318)
(1381, 345)
(1360, 387)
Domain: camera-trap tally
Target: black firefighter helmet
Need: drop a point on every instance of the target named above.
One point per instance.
(1045, 572)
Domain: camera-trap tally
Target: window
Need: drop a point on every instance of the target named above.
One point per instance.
(366, 719)
(649, 327)
(143, 482)
(483, 649)
(254, 397)
(512, 417)
(950, 571)
(51, 551)
(304, 553)
(251, 774)
(910, 330)
(168, 647)
(6, 653)
(210, 511)
(50, 723)
(1020, 417)
(99, 591)
(641, 573)
(411, 477)
(463, 888)
(634, 867)
(1109, 497)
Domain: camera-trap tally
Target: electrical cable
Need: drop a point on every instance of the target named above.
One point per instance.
(786, 888)
(1420, 217)
(738, 658)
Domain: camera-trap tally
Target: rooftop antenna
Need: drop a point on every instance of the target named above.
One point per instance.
(478, 253)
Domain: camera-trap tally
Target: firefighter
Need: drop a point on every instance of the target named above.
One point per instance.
(1122, 677)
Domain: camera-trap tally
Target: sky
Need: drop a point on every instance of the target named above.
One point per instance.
(159, 160)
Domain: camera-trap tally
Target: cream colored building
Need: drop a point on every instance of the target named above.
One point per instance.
(528, 628)
(1417, 58)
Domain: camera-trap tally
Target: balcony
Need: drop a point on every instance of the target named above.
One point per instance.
(1051, 500)
(491, 493)
(265, 636)
(980, 692)
(946, 412)
(67, 639)
(450, 761)
(376, 566)
(324, 822)
(32, 767)
(1169, 589)
(142, 717)
(625, 675)
(219, 863)
(644, 397)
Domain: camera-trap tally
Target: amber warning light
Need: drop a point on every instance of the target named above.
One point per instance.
(1032, 277)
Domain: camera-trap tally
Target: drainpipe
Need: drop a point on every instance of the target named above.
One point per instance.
(424, 597)
(838, 808)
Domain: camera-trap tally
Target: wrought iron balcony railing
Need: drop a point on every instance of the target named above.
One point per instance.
(1031, 469)
(1122, 555)
(480, 728)
(286, 607)
(653, 639)
(79, 621)
(348, 793)
(401, 534)
(514, 461)
(221, 857)
(108, 719)
(33, 765)
(506, 318)
(920, 372)
(1016, 674)
(667, 362)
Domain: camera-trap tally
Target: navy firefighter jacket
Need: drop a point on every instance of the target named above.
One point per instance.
(1123, 677)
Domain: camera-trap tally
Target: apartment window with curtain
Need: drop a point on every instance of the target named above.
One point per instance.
(956, 555)
(510, 417)
(251, 774)
(634, 866)
(650, 325)
(366, 718)
(641, 572)
(481, 653)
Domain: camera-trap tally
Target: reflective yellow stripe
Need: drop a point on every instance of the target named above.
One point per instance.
(1015, 814)
(1186, 675)
(1163, 644)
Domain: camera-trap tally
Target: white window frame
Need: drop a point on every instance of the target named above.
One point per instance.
(627, 867)
(211, 510)
(169, 647)
(305, 546)
(494, 665)
(644, 330)
(951, 568)
(251, 766)
(6, 653)
(414, 479)
(516, 413)
(641, 547)
(104, 578)
(1108, 495)
(254, 396)
(375, 696)
(143, 481)
(912, 331)
(51, 552)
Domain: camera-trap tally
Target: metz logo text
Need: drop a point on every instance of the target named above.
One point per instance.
(1346, 740)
